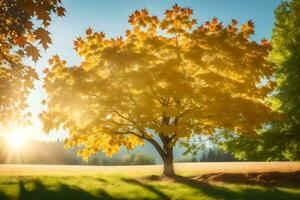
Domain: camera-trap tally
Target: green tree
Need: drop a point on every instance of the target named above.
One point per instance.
(166, 80)
(279, 140)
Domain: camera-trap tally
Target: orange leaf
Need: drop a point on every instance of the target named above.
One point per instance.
(43, 35)
(219, 26)
(234, 22)
(128, 32)
(251, 24)
(155, 20)
(46, 71)
(201, 28)
(194, 21)
(44, 15)
(20, 41)
(28, 25)
(264, 42)
(169, 13)
(50, 61)
(214, 21)
(131, 19)
(102, 34)
(61, 11)
(145, 12)
(56, 58)
(77, 43)
(33, 52)
(137, 13)
(189, 11)
(89, 31)
(176, 8)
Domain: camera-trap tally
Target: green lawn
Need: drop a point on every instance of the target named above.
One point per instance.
(84, 183)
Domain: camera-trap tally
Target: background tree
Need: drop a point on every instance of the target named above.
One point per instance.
(166, 80)
(280, 140)
(23, 27)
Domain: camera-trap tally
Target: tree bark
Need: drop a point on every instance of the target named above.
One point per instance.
(168, 164)
(166, 153)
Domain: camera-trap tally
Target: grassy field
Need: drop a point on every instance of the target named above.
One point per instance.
(228, 181)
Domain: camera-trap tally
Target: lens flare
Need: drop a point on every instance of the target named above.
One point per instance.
(16, 140)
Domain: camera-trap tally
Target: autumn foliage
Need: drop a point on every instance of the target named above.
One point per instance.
(23, 28)
(164, 81)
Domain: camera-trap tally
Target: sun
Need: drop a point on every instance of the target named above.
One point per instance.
(16, 140)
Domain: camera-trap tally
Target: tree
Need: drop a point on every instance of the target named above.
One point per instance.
(19, 37)
(166, 80)
(216, 154)
(280, 140)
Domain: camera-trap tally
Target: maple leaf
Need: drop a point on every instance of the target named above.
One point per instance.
(32, 73)
(77, 43)
(61, 11)
(131, 19)
(234, 22)
(44, 15)
(176, 8)
(155, 20)
(28, 25)
(264, 42)
(43, 35)
(168, 14)
(194, 21)
(21, 41)
(189, 11)
(251, 24)
(89, 31)
(50, 61)
(207, 24)
(219, 26)
(56, 58)
(102, 34)
(201, 28)
(144, 12)
(127, 33)
(46, 71)
(137, 13)
(214, 21)
(33, 52)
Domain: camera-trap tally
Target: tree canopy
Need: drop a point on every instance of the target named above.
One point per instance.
(23, 28)
(165, 80)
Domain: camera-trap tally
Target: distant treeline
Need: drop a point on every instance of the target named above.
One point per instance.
(123, 159)
(54, 153)
(208, 155)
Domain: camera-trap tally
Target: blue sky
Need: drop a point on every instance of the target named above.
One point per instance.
(111, 17)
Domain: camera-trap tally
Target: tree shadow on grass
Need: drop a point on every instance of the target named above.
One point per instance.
(35, 189)
(246, 193)
(63, 192)
(285, 179)
(3, 196)
(148, 187)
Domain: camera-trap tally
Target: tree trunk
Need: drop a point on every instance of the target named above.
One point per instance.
(166, 154)
(168, 164)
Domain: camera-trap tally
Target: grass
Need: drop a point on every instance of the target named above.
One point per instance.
(27, 182)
